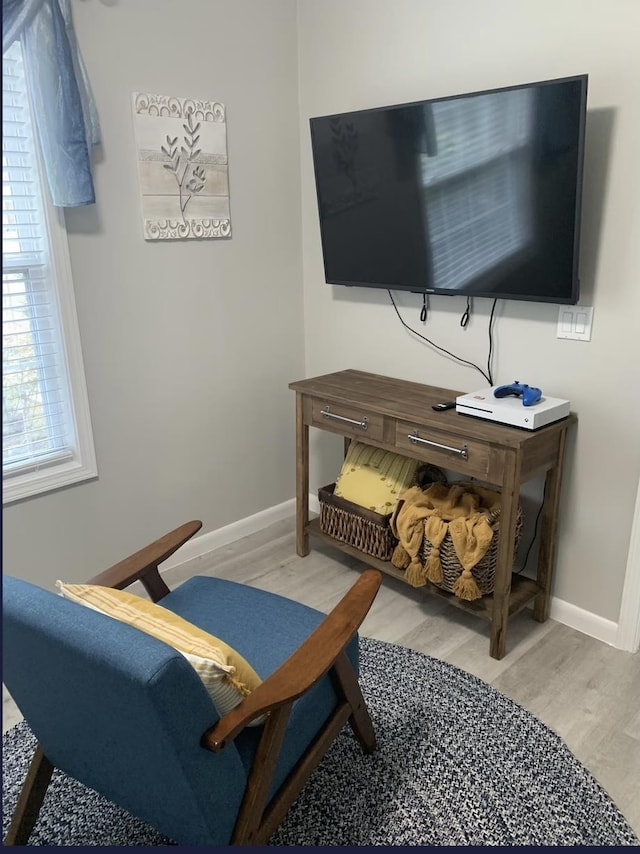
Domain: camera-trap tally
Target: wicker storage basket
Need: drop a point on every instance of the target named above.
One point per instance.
(358, 527)
(484, 571)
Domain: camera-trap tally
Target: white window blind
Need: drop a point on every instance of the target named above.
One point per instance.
(46, 436)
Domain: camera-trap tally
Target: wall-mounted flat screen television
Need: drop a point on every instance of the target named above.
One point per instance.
(476, 194)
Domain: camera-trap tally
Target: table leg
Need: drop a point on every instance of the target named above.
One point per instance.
(302, 479)
(510, 498)
(548, 534)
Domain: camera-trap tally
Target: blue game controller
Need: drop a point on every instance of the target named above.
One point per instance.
(528, 393)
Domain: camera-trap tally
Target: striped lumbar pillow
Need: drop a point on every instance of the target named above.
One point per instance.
(226, 675)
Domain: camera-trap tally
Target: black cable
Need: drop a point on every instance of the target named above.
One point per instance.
(464, 320)
(437, 346)
(425, 308)
(535, 533)
(533, 539)
(491, 319)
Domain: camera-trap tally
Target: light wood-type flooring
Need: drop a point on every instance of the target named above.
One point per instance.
(586, 691)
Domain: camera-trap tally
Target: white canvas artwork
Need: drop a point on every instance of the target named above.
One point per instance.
(182, 167)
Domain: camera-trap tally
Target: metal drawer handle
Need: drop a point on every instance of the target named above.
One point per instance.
(327, 414)
(417, 440)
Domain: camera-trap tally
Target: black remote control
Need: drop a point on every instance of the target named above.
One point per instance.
(447, 404)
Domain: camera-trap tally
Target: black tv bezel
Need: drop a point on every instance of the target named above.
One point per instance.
(570, 299)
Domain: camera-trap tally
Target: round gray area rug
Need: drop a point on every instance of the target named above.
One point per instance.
(457, 763)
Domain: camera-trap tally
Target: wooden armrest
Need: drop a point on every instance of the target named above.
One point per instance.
(305, 666)
(143, 565)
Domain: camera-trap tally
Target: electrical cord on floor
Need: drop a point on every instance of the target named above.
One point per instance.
(487, 375)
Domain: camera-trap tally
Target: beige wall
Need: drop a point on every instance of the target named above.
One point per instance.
(367, 53)
(188, 345)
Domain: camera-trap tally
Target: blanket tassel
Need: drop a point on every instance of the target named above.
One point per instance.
(400, 557)
(415, 574)
(465, 586)
(433, 566)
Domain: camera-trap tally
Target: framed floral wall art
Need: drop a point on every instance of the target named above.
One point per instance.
(183, 168)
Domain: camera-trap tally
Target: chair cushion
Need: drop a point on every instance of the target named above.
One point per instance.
(266, 628)
(227, 675)
(373, 478)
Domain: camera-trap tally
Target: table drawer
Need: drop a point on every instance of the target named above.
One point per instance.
(463, 455)
(347, 420)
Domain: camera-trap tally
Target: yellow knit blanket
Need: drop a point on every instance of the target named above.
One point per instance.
(461, 510)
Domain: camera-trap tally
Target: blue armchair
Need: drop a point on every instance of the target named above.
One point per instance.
(127, 715)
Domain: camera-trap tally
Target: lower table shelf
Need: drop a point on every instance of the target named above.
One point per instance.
(523, 589)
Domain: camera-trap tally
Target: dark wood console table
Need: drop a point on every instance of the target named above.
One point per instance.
(396, 415)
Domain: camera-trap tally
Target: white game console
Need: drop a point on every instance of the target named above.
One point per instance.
(511, 410)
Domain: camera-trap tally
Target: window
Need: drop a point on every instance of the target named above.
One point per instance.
(46, 429)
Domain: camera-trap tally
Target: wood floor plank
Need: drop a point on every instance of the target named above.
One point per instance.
(614, 761)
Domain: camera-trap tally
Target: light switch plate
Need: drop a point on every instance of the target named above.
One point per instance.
(574, 321)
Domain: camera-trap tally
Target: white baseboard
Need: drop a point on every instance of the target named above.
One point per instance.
(564, 612)
(584, 621)
(629, 621)
(201, 545)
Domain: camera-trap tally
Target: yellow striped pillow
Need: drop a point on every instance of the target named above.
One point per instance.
(373, 478)
(226, 675)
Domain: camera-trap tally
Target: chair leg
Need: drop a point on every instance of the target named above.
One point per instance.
(247, 827)
(31, 797)
(360, 720)
(256, 822)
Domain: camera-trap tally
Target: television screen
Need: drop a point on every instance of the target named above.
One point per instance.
(476, 194)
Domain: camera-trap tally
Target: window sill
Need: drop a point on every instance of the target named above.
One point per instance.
(44, 480)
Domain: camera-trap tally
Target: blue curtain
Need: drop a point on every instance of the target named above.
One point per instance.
(65, 114)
